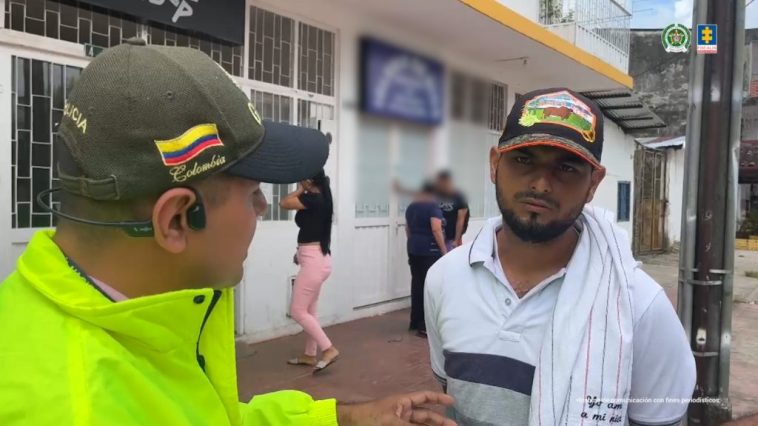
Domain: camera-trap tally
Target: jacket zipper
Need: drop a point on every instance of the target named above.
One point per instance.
(214, 300)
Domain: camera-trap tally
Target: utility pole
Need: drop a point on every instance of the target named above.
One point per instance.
(710, 195)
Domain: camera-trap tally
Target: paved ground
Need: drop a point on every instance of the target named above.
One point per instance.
(744, 367)
(381, 358)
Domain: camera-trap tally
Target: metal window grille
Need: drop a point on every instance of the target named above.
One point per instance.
(70, 21)
(316, 65)
(271, 44)
(478, 101)
(39, 91)
(79, 22)
(229, 56)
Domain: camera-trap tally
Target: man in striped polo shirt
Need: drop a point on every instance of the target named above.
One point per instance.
(545, 317)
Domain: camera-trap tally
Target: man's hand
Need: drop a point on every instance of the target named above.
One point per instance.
(399, 410)
(458, 242)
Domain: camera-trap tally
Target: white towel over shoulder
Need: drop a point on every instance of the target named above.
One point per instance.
(583, 374)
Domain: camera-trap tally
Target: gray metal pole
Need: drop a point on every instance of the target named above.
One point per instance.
(709, 216)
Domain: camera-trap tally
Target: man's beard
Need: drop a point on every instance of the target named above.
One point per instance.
(530, 231)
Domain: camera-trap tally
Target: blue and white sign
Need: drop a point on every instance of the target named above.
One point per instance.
(401, 84)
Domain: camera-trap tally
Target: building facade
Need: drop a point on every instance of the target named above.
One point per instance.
(404, 89)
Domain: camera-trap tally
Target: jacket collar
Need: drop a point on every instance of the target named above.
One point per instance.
(164, 321)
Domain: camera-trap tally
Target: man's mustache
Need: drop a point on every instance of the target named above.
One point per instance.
(537, 196)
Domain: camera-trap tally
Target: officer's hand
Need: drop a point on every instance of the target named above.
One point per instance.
(398, 410)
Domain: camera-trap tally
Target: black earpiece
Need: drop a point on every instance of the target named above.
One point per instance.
(196, 216)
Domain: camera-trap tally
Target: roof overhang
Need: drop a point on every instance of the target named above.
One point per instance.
(526, 54)
(748, 159)
(665, 142)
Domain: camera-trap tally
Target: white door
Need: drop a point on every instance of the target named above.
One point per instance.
(386, 150)
(411, 161)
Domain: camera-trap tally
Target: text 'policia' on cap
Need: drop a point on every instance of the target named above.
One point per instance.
(142, 119)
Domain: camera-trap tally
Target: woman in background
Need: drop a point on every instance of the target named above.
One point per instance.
(426, 243)
(314, 205)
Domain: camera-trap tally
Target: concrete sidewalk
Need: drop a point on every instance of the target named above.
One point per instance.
(379, 357)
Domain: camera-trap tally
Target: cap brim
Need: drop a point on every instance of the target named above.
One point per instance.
(287, 154)
(552, 141)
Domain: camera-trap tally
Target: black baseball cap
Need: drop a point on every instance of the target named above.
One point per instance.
(556, 117)
(142, 119)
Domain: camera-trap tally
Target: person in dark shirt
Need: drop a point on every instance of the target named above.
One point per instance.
(426, 243)
(454, 208)
(314, 205)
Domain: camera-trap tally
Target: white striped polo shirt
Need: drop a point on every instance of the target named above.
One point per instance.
(485, 340)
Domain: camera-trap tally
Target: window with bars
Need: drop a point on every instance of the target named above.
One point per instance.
(478, 110)
(275, 108)
(316, 65)
(624, 201)
(229, 56)
(280, 108)
(294, 55)
(39, 91)
(78, 22)
(289, 53)
(272, 47)
(70, 21)
(478, 101)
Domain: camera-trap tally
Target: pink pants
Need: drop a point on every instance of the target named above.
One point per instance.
(315, 268)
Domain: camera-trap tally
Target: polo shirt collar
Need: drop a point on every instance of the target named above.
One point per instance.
(482, 247)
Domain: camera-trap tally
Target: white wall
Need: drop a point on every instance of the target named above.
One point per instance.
(269, 265)
(618, 159)
(527, 8)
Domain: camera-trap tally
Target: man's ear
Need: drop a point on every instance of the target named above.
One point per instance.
(596, 177)
(494, 161)
(170, 219)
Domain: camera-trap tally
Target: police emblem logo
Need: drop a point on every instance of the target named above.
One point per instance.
(676, 38)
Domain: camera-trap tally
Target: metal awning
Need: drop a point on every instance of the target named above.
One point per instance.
(625, 109)
(664, 142)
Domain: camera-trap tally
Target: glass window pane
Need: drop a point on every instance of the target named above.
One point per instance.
(58, 88)
(40, 182)
(24, 215)
(72, 74)
(41, 119)
(24, 148)
(23, 81)
(373, 169)
(23, 117)
(411, 166)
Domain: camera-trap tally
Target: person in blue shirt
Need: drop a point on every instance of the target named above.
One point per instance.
(426, 243)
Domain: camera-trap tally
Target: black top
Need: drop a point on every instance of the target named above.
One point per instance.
(311, 220)
(450, 204)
